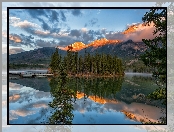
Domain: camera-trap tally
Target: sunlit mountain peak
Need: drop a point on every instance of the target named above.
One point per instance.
(77, 46)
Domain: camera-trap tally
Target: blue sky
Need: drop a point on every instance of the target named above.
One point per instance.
(36, 28)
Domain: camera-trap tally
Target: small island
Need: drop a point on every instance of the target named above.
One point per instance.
(89, 65)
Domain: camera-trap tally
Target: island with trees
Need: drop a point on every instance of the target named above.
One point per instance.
(97, 65)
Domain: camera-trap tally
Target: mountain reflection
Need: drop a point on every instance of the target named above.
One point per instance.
(65, 92)
(83, 100)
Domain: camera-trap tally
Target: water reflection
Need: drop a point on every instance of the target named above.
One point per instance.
(65, 92)
(96, 87)
(41, 84)
(83, 101)
(62, 102)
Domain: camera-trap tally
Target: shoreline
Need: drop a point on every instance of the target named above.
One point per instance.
(92, 75)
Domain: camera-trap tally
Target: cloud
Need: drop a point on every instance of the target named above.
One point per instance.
(51, 22)
(68, 36)
(15, 50)
(62, 35)
(55, 30)
(42, 33)
(82, 35)
(15, 38)
(140, 31)
(20, 112)
(63, 16)
(114, 35)
(63, 43)
(45, 26)
(45, 32)
(87, 37)
(75, 33)
(25, 24)
(91, 22)
(103, 30)
(14, 98)
(49, 15)
(33, 28)
(76, 12)
(27, 40)
(54, 16)
(13, 20)
(84, 30)
(19, 40)
(135, 32)
(14, 86)
(94, 21)
(35, 13)
(42, 43)
(41, 105)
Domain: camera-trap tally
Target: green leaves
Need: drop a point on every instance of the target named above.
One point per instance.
(156, 54)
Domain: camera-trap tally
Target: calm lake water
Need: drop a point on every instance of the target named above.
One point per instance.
(83, 100)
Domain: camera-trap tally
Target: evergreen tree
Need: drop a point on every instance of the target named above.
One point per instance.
(98, 64)
(76, 62)
(55, 61)
(80, 65)
(155, 56)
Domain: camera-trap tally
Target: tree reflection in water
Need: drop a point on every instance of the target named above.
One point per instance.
(100, 87)
(64, 91)
(62, 103)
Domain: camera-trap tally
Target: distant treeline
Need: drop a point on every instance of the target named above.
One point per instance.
(98, 64)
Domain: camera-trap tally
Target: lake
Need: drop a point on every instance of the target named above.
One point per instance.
(83, 100)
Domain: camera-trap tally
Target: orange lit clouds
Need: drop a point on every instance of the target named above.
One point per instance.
(14, 97)
(15, 38)
(137, 32)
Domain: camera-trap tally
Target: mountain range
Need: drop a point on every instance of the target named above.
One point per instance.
(77, 46)
(127, 51)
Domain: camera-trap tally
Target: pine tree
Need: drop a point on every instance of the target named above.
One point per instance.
(55, 61)
(76, 62)
(80, 65)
